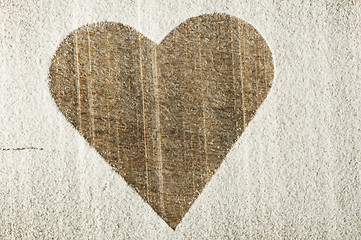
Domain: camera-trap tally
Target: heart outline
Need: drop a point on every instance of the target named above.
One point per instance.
(72, 116)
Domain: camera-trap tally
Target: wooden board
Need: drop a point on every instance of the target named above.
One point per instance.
(163, 116)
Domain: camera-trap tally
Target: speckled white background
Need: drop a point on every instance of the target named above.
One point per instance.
(294, 173)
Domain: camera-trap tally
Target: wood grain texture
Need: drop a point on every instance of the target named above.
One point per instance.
(163, 116)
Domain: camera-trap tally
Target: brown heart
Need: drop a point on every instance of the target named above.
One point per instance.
(164, 116)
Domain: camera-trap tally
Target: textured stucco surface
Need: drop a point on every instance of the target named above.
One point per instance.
(294, 173)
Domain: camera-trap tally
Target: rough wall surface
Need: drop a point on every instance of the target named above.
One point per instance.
(293, 173)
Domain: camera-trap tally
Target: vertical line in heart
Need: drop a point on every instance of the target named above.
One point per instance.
(204, 92)
(234, 79)
(241, 54)
(90, 87)
(235, 43)
(143, 110)
(78, 79)
(158, 127)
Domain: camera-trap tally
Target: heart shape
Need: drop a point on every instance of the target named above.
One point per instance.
(164, 116)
